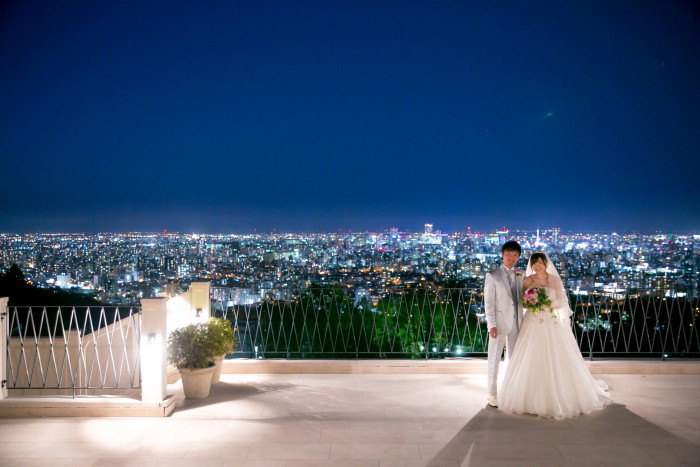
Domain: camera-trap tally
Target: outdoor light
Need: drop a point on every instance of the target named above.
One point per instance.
(199, 313)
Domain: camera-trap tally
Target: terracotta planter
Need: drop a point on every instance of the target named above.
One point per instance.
(196, 383)
(219, 364)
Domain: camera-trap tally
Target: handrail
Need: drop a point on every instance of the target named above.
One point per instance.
(73, 348)
(330, 322)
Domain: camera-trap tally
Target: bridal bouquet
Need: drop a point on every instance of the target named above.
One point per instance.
(536, 299)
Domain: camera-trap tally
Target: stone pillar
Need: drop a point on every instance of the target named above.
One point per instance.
(154, 360)
(200, 299)
(3, 345)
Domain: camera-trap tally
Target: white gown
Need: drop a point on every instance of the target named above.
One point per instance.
(546, 375)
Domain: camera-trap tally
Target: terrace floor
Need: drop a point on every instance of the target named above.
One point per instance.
(377, 417)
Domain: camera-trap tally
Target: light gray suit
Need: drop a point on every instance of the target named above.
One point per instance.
(500, 313)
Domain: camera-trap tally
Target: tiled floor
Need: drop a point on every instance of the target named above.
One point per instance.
(372, 420)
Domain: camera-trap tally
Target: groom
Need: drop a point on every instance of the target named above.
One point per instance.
(504, 312)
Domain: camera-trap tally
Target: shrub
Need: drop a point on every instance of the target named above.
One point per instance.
(191, 347)
(220, 332)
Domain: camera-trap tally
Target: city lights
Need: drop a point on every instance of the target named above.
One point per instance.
(120, 269)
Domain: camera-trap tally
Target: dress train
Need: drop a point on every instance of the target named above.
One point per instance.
(547, 375)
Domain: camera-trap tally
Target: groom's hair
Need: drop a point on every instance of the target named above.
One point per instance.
(511, 246)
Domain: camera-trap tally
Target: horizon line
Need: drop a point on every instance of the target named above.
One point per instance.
(254, 232)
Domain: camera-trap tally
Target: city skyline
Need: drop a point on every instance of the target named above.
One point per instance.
(318, 117)
(123, 268)
(412, 230)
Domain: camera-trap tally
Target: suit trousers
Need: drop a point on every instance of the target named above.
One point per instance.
(495, 351)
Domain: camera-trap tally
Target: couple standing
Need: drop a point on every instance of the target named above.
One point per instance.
(546, 374)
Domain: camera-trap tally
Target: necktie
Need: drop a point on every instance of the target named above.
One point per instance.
(514, 294)
(511, 281)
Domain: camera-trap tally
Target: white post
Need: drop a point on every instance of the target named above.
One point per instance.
(3, 346)
(154, 377)
(200, 299)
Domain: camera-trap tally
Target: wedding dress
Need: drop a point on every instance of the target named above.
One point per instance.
(546, 375)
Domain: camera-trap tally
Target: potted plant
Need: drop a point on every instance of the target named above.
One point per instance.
(221, 334)
(191, 350)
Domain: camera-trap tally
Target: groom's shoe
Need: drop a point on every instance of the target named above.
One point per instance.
(493, 402)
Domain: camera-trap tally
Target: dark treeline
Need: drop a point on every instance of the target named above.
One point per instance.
(327, 322)
(42, 312)
(22, 293)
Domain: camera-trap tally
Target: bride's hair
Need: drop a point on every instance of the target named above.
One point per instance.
(535, 257)
(560, 301)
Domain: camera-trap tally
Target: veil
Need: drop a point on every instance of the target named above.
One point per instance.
(561, 300)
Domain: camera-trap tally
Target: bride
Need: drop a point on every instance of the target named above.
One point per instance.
(546, 375)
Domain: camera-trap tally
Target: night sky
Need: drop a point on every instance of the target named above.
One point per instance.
(313, 116)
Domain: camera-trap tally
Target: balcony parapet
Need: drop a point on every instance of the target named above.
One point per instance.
(441, 366)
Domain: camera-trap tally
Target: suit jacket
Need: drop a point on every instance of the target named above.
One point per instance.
(498, 300)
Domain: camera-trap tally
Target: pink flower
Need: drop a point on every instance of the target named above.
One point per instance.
(536, 299)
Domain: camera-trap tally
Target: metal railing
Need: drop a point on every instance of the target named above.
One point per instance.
(72, 348)
(636, 323)
(330, 322)
(97, 348)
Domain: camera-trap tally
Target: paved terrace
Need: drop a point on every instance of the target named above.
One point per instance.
(369, 413)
